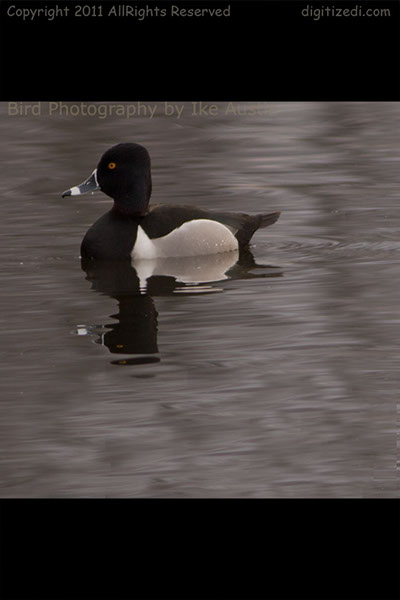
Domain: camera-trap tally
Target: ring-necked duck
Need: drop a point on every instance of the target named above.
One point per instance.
(132, 229)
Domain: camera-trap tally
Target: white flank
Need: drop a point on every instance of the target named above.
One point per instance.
(199, 237)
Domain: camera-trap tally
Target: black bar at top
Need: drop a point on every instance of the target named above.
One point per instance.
(264, 50)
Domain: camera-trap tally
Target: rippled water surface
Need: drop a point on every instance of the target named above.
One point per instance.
(275, 377)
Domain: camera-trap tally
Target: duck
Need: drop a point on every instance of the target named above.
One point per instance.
(133, 230)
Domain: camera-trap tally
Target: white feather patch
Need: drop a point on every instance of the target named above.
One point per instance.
(194, 238)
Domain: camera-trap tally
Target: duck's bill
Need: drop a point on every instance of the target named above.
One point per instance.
(90, 185)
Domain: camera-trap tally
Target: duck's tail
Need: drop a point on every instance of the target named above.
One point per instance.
(269, 219)
(250, 223)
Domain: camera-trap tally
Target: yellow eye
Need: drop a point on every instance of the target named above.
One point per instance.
(111, 165)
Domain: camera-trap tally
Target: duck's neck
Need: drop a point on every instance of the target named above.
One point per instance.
(136, 203)
(129, 209)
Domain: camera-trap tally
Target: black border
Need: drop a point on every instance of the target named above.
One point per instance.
(284, 549)
(266, 50)
(192, 549)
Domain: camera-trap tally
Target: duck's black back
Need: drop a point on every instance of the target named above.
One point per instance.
(162, 219)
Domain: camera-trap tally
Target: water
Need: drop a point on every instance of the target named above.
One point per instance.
(279, 380)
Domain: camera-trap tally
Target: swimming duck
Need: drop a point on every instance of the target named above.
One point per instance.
(132, 229)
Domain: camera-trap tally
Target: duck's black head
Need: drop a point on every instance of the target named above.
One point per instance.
(124, 174)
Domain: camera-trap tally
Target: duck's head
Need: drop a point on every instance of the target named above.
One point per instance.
(124, 174)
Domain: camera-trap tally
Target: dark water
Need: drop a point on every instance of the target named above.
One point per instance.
(280, 380)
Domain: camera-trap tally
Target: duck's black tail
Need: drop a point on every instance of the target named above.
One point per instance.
(268, 219)
(250, 223)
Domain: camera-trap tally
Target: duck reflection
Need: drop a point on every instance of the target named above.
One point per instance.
(134, 285)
